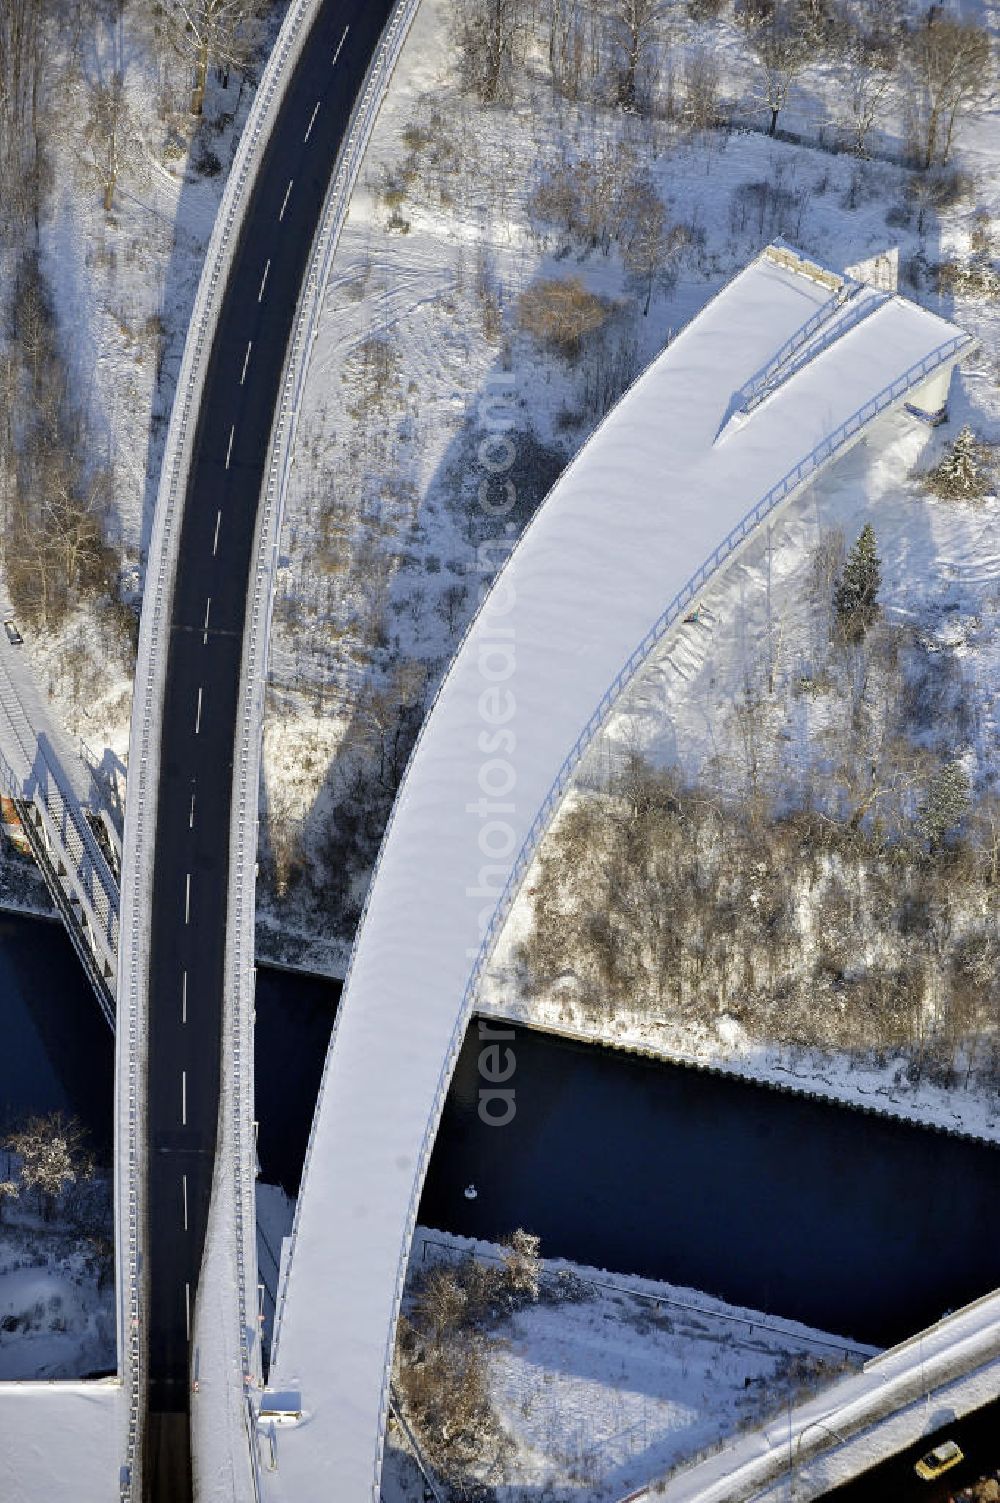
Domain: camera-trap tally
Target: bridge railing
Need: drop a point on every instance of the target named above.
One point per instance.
(853, 313)
(67, 828)
(70, 839)
(806, 469)
(756, 388)
(963, 1345)
(790, 482)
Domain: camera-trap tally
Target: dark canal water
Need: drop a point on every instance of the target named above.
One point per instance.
(849, 1222)
(56, 1050)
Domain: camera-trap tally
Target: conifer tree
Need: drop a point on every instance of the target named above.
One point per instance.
(945, 805)
(964, 471)
(856, 596)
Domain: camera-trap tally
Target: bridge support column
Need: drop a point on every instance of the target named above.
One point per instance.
(930, 401)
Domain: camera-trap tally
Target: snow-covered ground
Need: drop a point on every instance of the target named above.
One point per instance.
(122, 285)
(56, 1321)
(421, 314)
(941, 590)
(607, 1381)
(57, 1309)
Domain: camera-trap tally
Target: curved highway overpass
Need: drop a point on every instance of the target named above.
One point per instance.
(190, 880)
(783, 371)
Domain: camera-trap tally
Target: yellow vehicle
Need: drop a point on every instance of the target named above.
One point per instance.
(941, 1459)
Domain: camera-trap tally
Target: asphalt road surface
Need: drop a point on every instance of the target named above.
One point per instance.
(203, 669)
(895, 1481)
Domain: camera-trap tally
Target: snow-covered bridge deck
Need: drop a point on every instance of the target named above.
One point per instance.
(714, 436)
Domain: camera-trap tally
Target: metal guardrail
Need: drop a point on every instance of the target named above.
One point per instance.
(283, 439)
(756, 388)
(892, 1352)
(757, 1474)
(144, 749)
(754, 1320)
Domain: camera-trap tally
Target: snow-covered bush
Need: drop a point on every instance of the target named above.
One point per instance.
(822, 925)
(977, 278)
(560, 312)
(521, 1263)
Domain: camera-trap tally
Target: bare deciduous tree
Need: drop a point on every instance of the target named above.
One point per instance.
(589, 196)
(56, 508)
(647, 240)
(111, 138)
(22, 69)
(214, 34)
(573, 46)
(701, 89)
(489, 35)
(947, 65)
(866, 69)
(780, 51)
(634, 30)
(284, 839)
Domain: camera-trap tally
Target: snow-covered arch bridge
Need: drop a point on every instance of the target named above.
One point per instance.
(779, 375)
